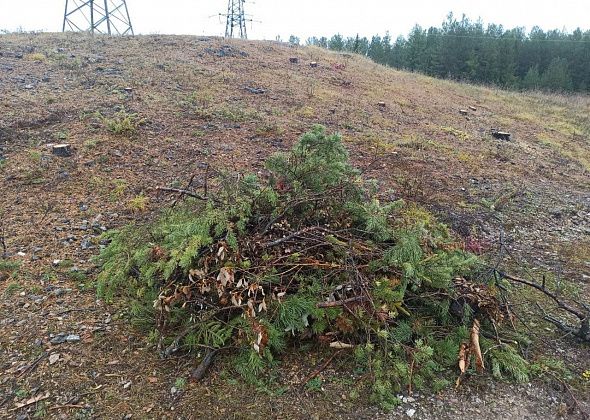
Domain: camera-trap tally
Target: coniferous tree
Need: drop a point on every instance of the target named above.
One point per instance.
(466, 50)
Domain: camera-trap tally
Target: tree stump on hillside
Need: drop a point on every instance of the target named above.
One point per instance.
(62, 150)
(500, 135)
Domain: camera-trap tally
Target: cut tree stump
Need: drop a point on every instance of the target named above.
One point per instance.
(293, 60)
(313, 64)
(500, 135)
(63, 150)
(463, 111)
(381, 104)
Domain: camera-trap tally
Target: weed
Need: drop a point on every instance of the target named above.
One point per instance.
(49, 276)
(7, 266)
(37, 57)
(138, 203)
(120, 187)
(269, 129)
(12, 288)
(461, 135)
(180, 384)
(61, 135)
(40, 410)
(91, 144)
(21, 393)
(35, 156)
(67, 263)
(314, 384)
(66, 62)
(307, 112)
(199, 99)
(123, 123)
(236, 114)
(77, 276)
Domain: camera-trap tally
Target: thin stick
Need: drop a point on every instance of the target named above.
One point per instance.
(182, 192)
(320, 369)
(340, 302)
(33, 365)
(560, 304)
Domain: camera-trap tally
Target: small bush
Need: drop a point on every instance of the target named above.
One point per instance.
(37, 57)
(123, 123)
(138, 203)
(311, 253)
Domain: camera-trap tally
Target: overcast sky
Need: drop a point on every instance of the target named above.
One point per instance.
(305, 18)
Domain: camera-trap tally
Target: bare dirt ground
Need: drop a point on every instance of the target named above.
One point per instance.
(231, 104)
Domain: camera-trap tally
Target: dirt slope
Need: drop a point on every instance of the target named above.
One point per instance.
(231, 104)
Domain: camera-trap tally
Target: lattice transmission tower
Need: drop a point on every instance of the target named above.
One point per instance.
(97, 16)
(235, 19)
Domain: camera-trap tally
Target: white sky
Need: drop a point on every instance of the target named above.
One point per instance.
(305, 18)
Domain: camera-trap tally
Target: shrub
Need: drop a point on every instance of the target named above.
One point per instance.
(310, 253)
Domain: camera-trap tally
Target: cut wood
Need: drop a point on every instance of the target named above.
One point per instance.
(31, 401)
(63, 150)
(476, 347)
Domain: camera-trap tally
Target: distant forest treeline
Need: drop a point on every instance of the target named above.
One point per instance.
(465, 50)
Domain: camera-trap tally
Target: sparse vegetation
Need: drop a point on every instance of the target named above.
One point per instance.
(123, 123)
(138, 203)
(55, 209)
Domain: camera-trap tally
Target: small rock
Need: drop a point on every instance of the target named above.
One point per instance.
(126, 385)
(59, 338)
(410, 412)
(53, 358)
(28, 87)
(73, 338)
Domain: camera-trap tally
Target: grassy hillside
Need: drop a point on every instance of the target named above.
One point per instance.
(148, 112)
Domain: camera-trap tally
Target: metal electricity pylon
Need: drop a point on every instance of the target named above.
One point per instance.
(235, 19)
(101, 16)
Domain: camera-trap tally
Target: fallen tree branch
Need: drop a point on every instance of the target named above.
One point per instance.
(200, 371)
(320, 369)
(548, 293)
(182, 192)
(582, 332)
